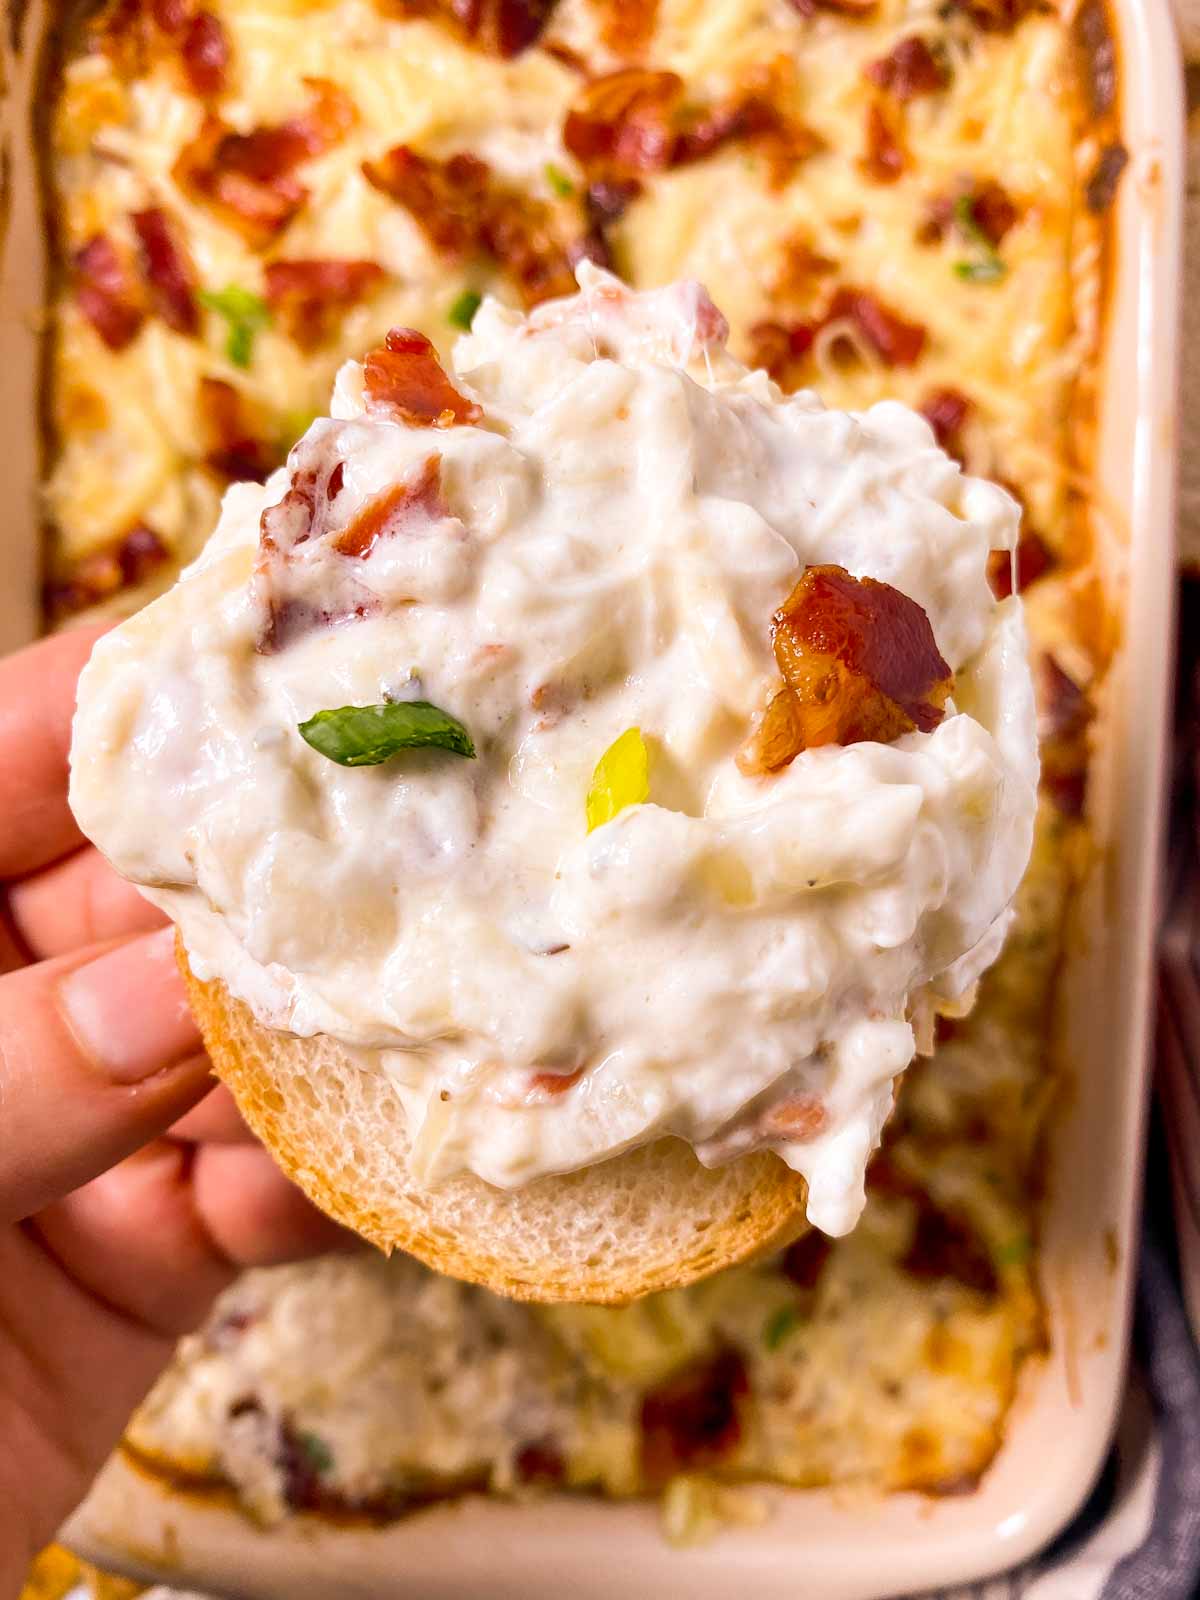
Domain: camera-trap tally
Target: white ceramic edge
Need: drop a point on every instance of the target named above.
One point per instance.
(857, 1547)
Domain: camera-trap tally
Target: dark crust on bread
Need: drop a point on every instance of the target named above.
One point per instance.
(504, 1240)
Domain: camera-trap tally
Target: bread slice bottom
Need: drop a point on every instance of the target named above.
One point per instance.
(650, 1219)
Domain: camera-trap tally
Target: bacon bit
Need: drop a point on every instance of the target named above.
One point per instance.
(205, 52)
(107, 292)
(555, 1083)
(136, 33)
(995, 16)
(405, 382)
(798, 269)
(306, 295)
(541, 1463)
(693, 1420)
(124, 565)
(500, 27)
(883, 159)
(233, 451)
(1034, 559)
(167, 271)
(909, 69)
(946, 412)
(630, 123)
(336, 479)
(447, 199)
(947, 1246)
(859, 10)
(626, 29)
(802, 1117)
(1101, 188)
(781, 349)
(604, 204)
(896, 342)
(804, 1261)
(386, 515)
(993, 213)
(858, 661)
(463, 210)
(1065, 713)
(247, 177)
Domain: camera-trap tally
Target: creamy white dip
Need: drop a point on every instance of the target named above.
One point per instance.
(611, 542)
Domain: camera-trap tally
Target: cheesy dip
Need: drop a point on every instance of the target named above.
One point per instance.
(629, 911)
(888, 200)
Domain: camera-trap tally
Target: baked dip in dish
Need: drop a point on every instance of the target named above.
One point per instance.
(939, 234)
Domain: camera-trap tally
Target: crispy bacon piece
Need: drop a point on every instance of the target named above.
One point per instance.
(946, 411)
(386, 515)
(993, 213)
(626, 26)
(804, 1261)
(500, 27)
(693, 1420)
(781, 349)
(909, 69)
(634, 122)
(995, 16)
(896, 342)
(462, 209)
(1101, 188)
(1065, 713)
(205, 52)
(136, 33)
(883, 158)
(799, 269)
(124, 565)
(167, 271)
(405, 382)
(233, 450)
(307, 295)
(555, 1083)
(798, 1118)
(858, 661)
(107, 292)
(858, 10)
(448, 199)
(248, 178)
(1034, 559)
(541, 1463)
(947, 1246)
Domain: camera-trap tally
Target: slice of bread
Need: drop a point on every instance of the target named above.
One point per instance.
(650, 1219)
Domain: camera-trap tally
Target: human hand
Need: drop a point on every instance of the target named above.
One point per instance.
(130, 1191)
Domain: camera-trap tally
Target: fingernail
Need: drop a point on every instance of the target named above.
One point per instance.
(128, 1009)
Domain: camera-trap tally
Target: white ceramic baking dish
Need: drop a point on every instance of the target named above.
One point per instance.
(835, 1545)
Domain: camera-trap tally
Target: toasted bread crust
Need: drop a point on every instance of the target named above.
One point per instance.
(650, 1219)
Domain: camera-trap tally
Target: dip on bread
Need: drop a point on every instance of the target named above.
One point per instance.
(701, 767)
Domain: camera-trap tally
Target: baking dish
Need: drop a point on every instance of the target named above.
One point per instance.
(860, 1546)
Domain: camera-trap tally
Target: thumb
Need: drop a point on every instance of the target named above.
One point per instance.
(98, 1055)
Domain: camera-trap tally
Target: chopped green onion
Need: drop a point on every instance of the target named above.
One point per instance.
(990, 270)
(780, 1325)
(558, 181)
(363, 736)
(621, 778)
(320, 1456)
(462, 313)
(245, 312)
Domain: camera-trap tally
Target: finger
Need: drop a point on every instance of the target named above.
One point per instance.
(98, 1054)
(161, 1235)
(256, 1216)
(132, 1239)
(76, 901)
(216, 1120)
(37, 701)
